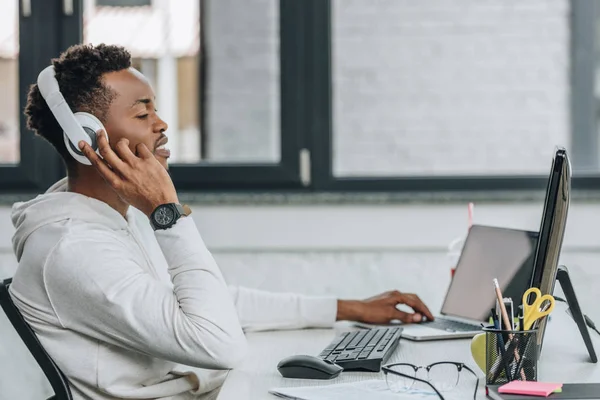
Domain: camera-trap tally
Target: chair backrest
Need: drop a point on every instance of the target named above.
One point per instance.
(57, 379)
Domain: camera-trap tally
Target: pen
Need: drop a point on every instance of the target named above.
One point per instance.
(520, 364)
(521, 319)
(506, 320)
(500, 344)
(503, 313)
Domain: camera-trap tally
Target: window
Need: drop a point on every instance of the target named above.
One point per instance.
(9, 82)
(333, 95)
(215, 66)
(123, 3)
(31, 33)
(431, 97)
(438, 90)
(585, 81)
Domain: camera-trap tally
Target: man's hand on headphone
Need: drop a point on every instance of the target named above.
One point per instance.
(140, 180)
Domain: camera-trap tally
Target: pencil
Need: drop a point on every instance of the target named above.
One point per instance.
(506, 320)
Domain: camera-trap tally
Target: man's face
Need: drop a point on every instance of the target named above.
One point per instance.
(132, 114)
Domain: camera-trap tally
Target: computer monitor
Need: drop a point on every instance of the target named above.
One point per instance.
(552, 229)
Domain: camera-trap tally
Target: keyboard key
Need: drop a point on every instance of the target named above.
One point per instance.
(451, 326)
(344, 342)
(356, 340)
(366, 338)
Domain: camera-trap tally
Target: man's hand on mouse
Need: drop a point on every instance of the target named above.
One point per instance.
(381, 309)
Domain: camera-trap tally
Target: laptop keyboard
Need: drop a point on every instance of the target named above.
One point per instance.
(451, 326)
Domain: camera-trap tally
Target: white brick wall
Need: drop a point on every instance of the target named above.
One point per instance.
(243, 81)
(449, 87)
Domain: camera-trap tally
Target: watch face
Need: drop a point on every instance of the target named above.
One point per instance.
(164, 216)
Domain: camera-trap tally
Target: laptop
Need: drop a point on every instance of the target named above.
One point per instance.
(489, 252)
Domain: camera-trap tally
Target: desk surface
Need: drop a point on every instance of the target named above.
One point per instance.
(564, 358)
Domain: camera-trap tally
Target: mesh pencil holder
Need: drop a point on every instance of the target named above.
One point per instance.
(510, 355)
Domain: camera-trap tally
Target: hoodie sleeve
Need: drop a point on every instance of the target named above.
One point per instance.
(259, 310)
(98, 287)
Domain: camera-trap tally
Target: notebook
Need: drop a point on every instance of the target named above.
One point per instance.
(375, 389)
(530, 388)
(571, 391)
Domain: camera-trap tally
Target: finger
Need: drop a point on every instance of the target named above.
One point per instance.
(143, 151)
(124, 152)
(407, 318)
(108, 154)
(414, 302)
(100, 165)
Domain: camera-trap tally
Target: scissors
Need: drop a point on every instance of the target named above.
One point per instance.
(533, 311)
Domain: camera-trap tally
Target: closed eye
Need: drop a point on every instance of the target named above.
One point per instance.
(142, 116)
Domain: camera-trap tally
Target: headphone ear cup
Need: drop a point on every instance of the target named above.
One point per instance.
(90, 125)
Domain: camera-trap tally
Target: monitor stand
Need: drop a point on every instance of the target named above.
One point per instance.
(562, 276)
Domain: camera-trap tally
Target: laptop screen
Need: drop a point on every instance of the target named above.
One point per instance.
(488, 253)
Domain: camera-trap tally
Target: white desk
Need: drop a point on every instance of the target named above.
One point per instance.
(564, 358)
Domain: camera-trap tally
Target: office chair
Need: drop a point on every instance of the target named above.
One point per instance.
(55, 376)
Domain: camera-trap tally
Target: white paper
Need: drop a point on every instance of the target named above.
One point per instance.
(373, 389)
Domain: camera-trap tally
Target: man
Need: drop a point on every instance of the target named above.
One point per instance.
(125, 311)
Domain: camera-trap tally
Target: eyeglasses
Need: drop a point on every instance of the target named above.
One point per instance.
(441, 376)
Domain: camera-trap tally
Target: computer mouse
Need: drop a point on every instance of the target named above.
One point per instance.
(308, 367)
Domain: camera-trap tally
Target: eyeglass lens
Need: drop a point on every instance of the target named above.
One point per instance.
(443, 376)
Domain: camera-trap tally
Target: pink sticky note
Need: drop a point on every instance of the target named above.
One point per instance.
(529, 388)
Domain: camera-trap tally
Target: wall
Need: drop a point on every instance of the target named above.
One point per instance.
(351, 251)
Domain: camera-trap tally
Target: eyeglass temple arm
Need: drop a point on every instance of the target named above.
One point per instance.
(476, 383)
(386, 370)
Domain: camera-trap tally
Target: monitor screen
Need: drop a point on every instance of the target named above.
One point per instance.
(490, 252)
(554, 220)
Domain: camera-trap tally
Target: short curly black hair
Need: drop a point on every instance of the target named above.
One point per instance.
(79, 73)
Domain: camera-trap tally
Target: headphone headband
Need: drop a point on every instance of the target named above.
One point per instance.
(71, 123)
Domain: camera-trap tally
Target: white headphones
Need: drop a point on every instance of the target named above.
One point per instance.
(76, 126)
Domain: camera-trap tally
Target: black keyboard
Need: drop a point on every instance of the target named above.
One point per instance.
(363, 350)
(449, 325)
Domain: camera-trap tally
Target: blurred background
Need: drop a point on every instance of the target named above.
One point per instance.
(332, 146)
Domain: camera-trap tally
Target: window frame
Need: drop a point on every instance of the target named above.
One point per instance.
(583, 124)
(42, 35)
(42, 39)
(263, 176)
(132, 3)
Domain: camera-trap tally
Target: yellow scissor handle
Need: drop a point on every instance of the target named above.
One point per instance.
(529, 291)
(532, 311)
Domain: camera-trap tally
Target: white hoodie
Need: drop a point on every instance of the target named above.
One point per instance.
(127, 312)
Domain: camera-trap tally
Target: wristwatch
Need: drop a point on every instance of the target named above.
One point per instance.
(166, 215)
